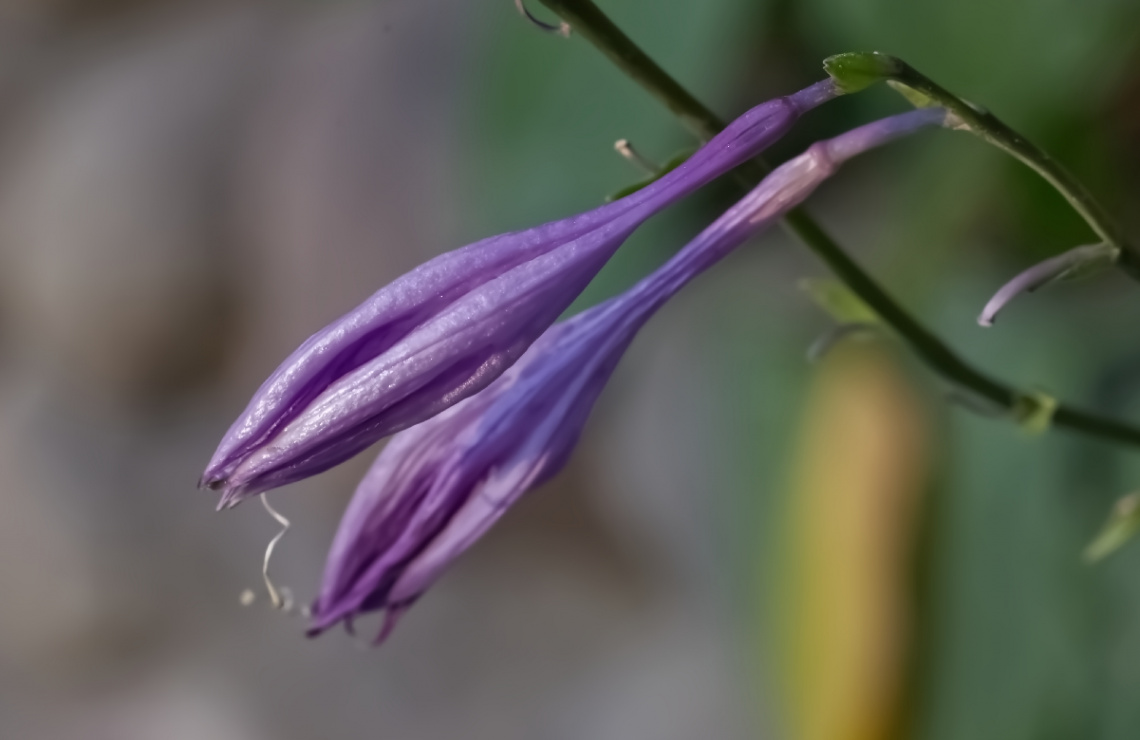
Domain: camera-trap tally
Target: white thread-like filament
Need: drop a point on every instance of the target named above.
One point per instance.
(281, 599)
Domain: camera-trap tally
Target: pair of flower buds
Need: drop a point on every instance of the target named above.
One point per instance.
(461, 360)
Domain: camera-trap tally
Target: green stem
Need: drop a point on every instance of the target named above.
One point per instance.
(992, 129)
(587, 20)
(868, 67)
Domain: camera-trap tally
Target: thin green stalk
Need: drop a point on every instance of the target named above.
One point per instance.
(588, 21)
(860, 69)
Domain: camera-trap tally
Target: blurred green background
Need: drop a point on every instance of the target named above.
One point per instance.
(187, 190)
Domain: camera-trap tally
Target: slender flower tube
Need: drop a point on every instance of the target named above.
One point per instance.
(438, 486)
(451, 326)
(1077, 262)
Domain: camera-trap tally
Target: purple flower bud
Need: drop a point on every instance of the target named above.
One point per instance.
(438, 486)
(1075, 263)
(448, 328)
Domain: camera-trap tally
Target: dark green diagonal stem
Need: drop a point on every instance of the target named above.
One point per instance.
(587, 20)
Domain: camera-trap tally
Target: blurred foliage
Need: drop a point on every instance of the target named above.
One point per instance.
(1016, 638)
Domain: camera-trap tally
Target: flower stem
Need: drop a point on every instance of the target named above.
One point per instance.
(588, 20)
(990, 128)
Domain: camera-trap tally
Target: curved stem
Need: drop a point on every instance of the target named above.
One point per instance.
(586, 19)
(987, 126)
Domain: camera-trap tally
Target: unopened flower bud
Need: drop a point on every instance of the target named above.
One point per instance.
(437, 487)
(451, 326)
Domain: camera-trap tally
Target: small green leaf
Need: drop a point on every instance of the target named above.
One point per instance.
(839, 334)
(670, 164)
(914, 97)
(1123, 522)
(1034, 412)
(838, 301)
(855, 71)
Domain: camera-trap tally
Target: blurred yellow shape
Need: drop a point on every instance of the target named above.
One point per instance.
(857, 476)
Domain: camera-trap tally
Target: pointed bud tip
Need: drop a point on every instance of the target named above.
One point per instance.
(231, 496)
(1073, 264)
(1122, 526)
(855, 71)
